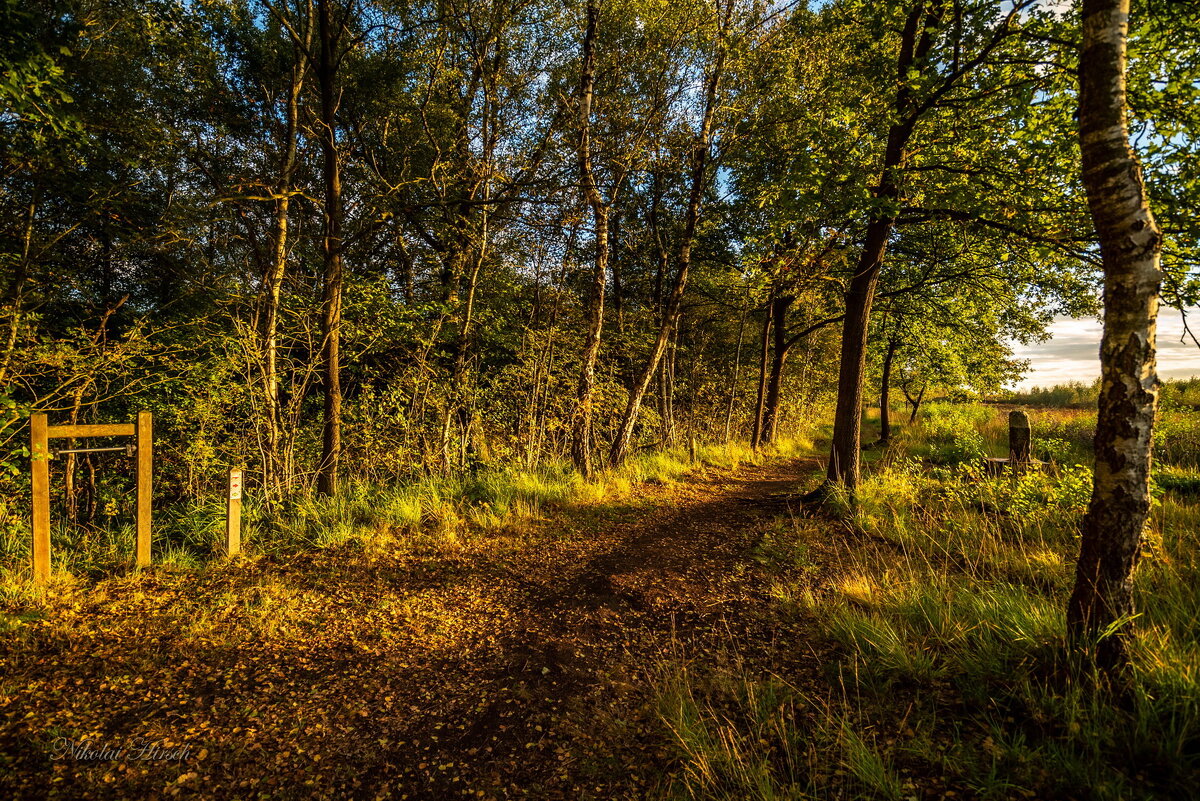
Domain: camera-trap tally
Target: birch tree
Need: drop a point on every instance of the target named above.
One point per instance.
(1130, 247)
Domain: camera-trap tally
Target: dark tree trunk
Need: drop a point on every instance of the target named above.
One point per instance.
(916, 404)
(331, 302)
(770, 425)
(1130, 246)
(618, 298)
(407, 269)
(764, 362)
(885, 400)
(16, 290)
(847, 421)
(915, 42)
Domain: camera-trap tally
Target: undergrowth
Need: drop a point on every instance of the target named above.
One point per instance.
(432, 510)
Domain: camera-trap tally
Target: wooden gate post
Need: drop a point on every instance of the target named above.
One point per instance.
(144, 438)
(233, 513)
(39, 455)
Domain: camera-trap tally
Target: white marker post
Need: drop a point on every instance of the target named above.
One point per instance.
(233, 513)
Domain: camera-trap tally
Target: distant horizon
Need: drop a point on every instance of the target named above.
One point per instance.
(1072, 354)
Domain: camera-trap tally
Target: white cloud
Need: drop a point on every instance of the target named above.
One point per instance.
(1073, 352)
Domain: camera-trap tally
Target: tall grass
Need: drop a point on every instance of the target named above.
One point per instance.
(432, 510)
(1076, 394)
(742, 737)
(945, 609)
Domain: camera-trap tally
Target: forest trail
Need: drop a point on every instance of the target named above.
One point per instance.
(517, 664)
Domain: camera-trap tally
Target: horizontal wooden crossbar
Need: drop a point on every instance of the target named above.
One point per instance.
(128, 450)
(101, 430)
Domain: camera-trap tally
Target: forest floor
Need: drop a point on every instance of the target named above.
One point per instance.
(522, 663)
(696, 636)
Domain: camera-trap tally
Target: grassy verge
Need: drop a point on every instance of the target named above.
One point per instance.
(941, 604)
(435, 510)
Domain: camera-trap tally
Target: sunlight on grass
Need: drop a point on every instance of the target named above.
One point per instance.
(446, 509)
(434, 510)
(866, 764)
(859, 588)
(950, 615)
(742, 736)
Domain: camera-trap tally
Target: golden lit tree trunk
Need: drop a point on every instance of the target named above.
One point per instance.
(700, 156)
(581, 421)
(331, 301)
(273, 469)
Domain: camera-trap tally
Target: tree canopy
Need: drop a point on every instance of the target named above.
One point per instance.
(532, 231)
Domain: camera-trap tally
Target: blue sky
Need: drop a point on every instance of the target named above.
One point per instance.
(1073, 352)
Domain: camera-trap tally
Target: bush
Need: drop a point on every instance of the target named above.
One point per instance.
(952, 432)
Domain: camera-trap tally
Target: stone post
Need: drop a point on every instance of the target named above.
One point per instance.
(1020, 441)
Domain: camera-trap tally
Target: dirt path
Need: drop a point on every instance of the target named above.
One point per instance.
(515, 666)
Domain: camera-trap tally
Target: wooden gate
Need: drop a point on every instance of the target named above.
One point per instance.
(142, 447)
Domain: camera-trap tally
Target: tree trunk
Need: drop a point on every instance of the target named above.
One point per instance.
(69, 493)
(666, 380)
(700, 157)
(1130, 246)
(770, 425)
(16, 292)
(581, 420)
(637, 393)
(885, 395)
(463, 405)
(331, 301)
(764, 362)
(847, 422)
(625, 369)
(737, 369)
(452, 274)
(916, 405)
(273, 285)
